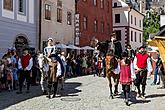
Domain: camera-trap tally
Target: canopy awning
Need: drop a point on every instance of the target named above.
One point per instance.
(73, 47)
(62, 46)
(160, 43)
(87, 48)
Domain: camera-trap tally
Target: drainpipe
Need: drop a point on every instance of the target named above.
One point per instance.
(129, 10)
(40, 22)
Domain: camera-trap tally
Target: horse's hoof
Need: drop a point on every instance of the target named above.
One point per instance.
(48, 96)
(54, 96)
(111, 97)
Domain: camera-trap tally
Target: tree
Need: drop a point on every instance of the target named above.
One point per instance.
(151, 23)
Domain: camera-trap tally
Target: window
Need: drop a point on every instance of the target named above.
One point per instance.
(69, 18)
(8, 5)
(47, 12)
(115, 4)
(102, 3)
(95, 26)
(140, 24)
(135, 20)
(117, 18)
(135, 36)
(108, 6)
(140, 37)
(131, 35)
(95, 2)
(59, 3)
(85, 23)
(131, 19)
(118, 34)
(102, 27)
(108, 27)
(59, 15)
(21, 6)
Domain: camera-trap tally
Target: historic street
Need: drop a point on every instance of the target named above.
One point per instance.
(82, 93)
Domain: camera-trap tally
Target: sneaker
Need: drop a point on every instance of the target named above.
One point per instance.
(158, 83)
(143, 97)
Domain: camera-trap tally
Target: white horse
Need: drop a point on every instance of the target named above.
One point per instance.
(44, 68)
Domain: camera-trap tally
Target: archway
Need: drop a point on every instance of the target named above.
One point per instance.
(20, 43)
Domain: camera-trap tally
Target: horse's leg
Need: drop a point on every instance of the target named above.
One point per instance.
(110, 87)
(42, 82)
(116, 81)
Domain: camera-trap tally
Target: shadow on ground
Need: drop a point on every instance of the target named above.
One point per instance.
(11, 98)
(133, 98)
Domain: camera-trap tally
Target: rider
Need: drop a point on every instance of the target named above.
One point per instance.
(51, 51)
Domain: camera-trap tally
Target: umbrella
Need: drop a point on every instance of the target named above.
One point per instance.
(62, 46)
(87, 48)
(73, 47)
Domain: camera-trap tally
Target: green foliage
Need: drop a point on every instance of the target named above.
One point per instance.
(151, 23)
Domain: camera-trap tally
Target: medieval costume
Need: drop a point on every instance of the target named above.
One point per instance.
(142, 66)
(126, 75)
(25, 64)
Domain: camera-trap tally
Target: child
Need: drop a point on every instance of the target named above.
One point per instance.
(15, 78)
(9, 79)
(125, 76)
(1, 73)
(99, 66)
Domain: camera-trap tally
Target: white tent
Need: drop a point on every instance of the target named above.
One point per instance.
(73, 47)
(62, 46)
(87, 48)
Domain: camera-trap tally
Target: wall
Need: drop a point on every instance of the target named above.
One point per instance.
(86, 8)
(14, 24)
(60, 32)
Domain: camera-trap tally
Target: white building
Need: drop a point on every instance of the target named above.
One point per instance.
(18, 24)
(128, 24)
(57, 21)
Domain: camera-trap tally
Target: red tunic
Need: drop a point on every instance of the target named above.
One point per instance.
(25, 60)
(125, 74)
(141, 60)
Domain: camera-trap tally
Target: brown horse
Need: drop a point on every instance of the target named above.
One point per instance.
(111, 64)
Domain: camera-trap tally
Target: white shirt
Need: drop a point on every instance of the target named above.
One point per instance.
(29, 67)
(149, 65)
(48, 50)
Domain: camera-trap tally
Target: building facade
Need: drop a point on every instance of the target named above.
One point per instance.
(95, 20)
(57, 21)
(18, 24)
(128, 24)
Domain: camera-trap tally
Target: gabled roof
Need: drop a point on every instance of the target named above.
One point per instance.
(120, 3)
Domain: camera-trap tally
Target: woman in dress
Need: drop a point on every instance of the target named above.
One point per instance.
(125, 76)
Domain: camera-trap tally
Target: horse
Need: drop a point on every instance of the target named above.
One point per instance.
(112, 71)
(43, 67)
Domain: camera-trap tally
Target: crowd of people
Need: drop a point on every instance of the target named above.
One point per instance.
(134, 66)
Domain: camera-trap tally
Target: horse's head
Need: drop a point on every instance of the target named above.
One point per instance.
(41, 60)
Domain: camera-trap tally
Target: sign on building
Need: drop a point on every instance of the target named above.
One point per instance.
(77, 28)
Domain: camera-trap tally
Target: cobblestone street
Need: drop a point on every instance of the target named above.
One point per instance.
(82, 93)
